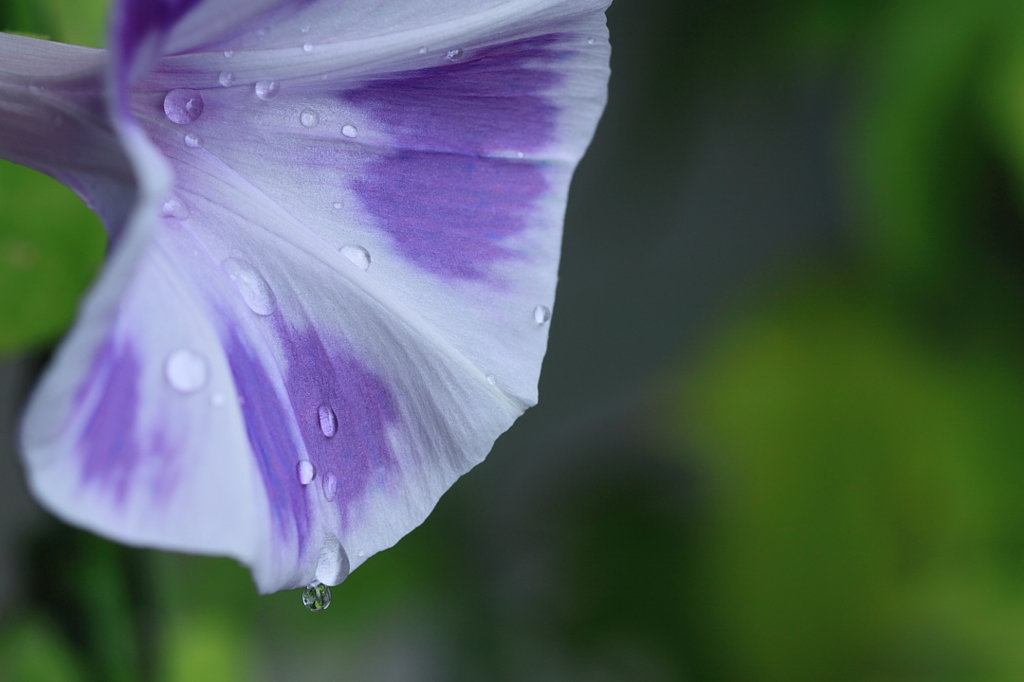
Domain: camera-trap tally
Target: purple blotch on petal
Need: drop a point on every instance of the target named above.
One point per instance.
(446, 199)
(357, 454)
(109, 442)
(266, 424)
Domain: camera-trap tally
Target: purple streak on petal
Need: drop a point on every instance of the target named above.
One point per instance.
(109, 443)
(266, 423)
(445, 203)
(357, 453)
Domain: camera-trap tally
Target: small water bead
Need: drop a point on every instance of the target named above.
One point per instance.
(309, 118)
(255, 291)
(330, 487)
(305, 471)
(307, 47)
(360, 553)
(328, 420)
(541, 314)
(185, 371)
(520, 155)
(228, 54)
(183, 105)
(423, 50)
(194, 141)
(337, 205)
(304, 29)
(591, 41)
(173, 208)
(316, 596)
(262, 32)
(358, 255)
(226, 78)
(491, 379)
(349, 131)
(454, 55)
(267, 89)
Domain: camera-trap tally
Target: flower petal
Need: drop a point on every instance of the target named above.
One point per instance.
(346, 297)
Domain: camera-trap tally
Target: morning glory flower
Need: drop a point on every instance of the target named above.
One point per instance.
(334, 235)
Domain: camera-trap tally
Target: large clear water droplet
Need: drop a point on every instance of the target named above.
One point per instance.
(306, 471)
(309, 118)
(255, 291)
(194, 141)
(328, 420)
(316, 596)
(454, 55)
(185, 370)
(183, 106)
(226, 78)
(541, 314)
(349, 131)
(330, 485)
(358, 255)
(267, 89)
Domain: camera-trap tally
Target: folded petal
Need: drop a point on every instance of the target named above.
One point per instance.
(345, 295)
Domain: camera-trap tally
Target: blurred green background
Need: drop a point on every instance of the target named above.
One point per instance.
(781, 429)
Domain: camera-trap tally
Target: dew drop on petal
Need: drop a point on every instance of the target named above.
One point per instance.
(226, 78)
(541, 314)
(194, 141)
(337, 204)
(454, 55)
(591, 41)
(267, 89)
(349, 131)
(304, 29)
(360, 553)
(491, 379)
(255, 291)
(305, 471)
(330, 487)
(520, 155)
(328, 420)
(185, 371)
(173, 208)
(316, 596)
(423, 50)
(309, 118)
(358, 255)
(228, 54)
(307, 47)
(183, 105)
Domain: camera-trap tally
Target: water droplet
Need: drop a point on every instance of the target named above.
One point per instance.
(262, 32)
(454, 55)
(306, 471)
(360, 553)
(267, 89)
(316, 596)
(309, 118)
(255, 291)
(423, 50)
(185, 370)
(349, 131)
(328, 420)
(37, 89)
(307, 47)
(194, 141)
(337, 204)
(218, 399)
(358, 255)
(491, 379)
(304, 29)
(591, 41)
(330, 487)
(226, 78)
(520, 155)
(183, 106)
(173, 208)
(541, 314)
(228, 54)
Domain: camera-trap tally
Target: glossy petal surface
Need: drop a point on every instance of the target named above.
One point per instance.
(329, 314)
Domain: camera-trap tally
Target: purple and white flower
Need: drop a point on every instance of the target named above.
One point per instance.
(334, 237)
